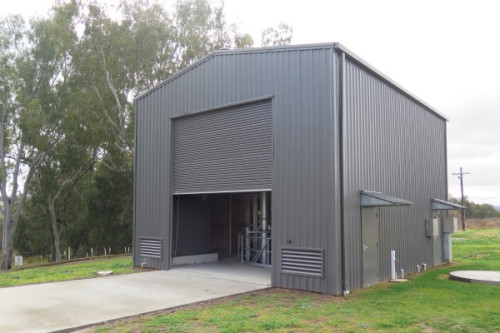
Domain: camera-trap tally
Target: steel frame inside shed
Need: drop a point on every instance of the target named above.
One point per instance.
(338, 127)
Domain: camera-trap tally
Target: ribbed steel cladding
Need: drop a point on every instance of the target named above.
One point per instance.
(395, 146)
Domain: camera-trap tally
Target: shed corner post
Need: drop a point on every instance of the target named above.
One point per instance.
(341, 131)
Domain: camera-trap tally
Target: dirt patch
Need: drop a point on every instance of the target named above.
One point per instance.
(480, 255)
(483, 223)
(299, 294)
(487, 223)
(427, 329)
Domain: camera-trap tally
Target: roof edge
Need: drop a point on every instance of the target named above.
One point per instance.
(388, 80)
(236, 51)
(379, 199)
(438, 204)
(335, 45)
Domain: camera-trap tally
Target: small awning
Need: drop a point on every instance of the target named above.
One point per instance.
(437, 204)
(375, 199)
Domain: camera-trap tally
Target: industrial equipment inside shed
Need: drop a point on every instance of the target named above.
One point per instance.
(229, 224)
(304, 160)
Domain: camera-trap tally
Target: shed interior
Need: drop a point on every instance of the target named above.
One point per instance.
(222, 225)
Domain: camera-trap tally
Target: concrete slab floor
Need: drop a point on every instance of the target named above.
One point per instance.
(230, 268)
(71, 304)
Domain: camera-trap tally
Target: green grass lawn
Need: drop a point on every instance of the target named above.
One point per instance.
(429, 302)
(69, 271)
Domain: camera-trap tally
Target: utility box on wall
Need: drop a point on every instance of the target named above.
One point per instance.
(432, 227)
(450, 224)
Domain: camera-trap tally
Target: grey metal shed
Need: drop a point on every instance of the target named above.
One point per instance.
(329, 164)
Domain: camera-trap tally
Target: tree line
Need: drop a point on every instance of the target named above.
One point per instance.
(475, 210)
(67, 84)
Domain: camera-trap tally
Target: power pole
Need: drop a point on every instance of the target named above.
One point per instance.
(461, 177)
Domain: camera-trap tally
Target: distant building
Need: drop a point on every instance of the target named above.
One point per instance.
(304, 158)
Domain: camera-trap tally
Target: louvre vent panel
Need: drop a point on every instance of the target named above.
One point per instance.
(302, 261)
(151, 247)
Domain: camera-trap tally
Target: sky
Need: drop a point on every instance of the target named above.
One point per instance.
(446, 52)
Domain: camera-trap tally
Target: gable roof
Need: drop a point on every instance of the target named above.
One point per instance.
(336, 46)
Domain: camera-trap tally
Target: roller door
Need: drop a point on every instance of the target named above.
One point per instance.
(226, 150)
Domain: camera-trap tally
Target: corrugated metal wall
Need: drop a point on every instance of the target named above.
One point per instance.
(305, 196)
(394, 145)
(305, 179)
(152, 177)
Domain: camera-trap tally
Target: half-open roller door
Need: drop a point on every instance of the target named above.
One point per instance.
(226, 150)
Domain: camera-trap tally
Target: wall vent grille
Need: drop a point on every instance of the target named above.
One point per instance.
(302, 261)
(151, 247)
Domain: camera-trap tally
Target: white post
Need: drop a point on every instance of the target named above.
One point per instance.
(92, 252)
(393, 265)
(109, 251)
(105, 253)
(69, 253)
(447, 249)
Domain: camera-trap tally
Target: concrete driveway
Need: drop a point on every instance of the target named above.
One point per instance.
(72, 304)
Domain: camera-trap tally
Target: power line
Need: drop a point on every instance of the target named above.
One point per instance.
(461, 177)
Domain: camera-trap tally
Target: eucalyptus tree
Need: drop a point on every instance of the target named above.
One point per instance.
(148, 44)
(41, 65)
(280, 35)
(20, 81)
(57, 178)
(71, 139)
